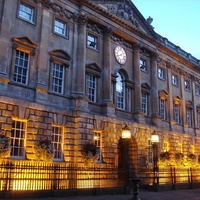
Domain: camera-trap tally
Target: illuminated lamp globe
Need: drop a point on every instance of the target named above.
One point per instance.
(154, 138)
(126, 132)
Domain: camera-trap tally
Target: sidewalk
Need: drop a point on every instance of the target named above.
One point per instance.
(191, 194)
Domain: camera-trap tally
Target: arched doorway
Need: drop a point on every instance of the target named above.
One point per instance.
(127, 159)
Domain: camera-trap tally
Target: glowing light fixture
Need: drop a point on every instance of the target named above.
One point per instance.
(126, 132)
(154, 138)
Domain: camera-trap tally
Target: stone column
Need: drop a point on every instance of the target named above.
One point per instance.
(79, 63)
(183, 106)
(5, 31)
(195, 104)
(171, 103)
(154, 89)
(107, 103)
(137, 88)
(43, 74)
(81, 56)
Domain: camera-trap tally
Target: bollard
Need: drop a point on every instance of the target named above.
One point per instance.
(136, 186)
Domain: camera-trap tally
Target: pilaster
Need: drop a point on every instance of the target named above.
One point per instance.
(154, 91)
(107, 104)
(79, 63)
(138, 115)
(42, 84)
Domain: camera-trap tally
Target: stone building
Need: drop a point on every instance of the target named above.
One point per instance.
(75, 71)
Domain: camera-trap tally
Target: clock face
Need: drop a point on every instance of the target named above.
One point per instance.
(120, 55)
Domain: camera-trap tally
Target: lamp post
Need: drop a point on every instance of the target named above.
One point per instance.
(155, 142)
(126, 135)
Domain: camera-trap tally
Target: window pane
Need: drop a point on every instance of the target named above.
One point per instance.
(161, 73)
(21, 67)
(57, 78)
(177, 113)
(163, 109)
(57, 142)
(145, 103)
(189, 117)
(92, 87)
(143, 65)
(197, 90)
(26, 12)
(187, 85)
(120, 91)
(97, 142)
(60, 27)
(175, 79)
(92, 41)
(18, 138)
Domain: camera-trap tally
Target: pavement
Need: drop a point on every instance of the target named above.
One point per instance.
(191, 194)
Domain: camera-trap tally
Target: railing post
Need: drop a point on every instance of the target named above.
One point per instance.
(172, 180)
(188, 175)
(174, 175)
(136, 187)
(191, 175)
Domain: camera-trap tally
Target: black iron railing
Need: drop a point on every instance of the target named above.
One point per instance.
(27, 175)
(170, 175)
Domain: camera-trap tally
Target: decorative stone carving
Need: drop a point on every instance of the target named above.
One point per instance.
(80, 17)
(56, 8)
(121, 41)
(94, 27)
(124, 12)
(107, 31)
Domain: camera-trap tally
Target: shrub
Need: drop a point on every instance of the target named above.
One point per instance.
(44, 150)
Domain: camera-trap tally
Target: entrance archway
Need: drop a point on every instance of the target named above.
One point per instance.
(127, 158)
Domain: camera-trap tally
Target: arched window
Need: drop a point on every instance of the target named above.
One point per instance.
(120, 91)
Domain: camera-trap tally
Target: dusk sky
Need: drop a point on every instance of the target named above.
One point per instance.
(177, 20)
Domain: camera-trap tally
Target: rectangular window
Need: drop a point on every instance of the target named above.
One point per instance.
(150, 152)
(57, 140)
(174, 80)
(58, 78)
(163, 109)
(177, 113)
(22, 62)
(60, 27)
(92, 41)
(145, 103)
(189, 116)
(197, 89)
(18, 137)
(187, 85)
(161, 73)
(143, 65)
(26, 12)
(97, 142)
(92, 87)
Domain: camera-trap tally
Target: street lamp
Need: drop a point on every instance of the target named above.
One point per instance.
(126, 132)
(155, 142)
(124, 160)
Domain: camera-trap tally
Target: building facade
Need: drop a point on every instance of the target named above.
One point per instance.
(76, 71)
